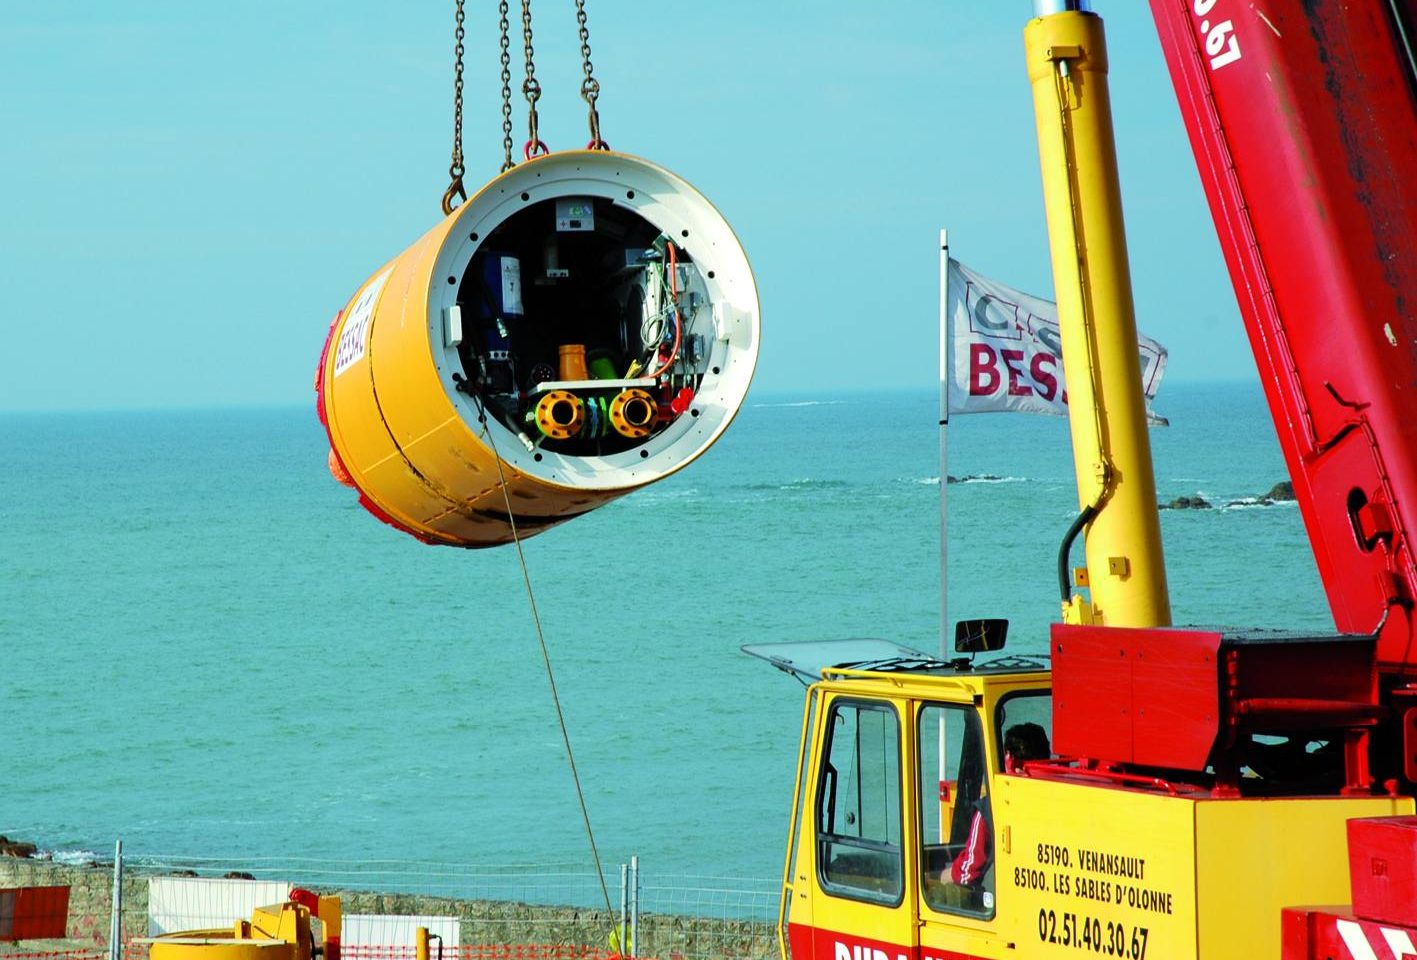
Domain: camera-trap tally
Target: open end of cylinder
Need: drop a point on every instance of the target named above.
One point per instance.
(584, 297)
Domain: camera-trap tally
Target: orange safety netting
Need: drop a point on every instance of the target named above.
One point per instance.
(481, 951)
(469, 951)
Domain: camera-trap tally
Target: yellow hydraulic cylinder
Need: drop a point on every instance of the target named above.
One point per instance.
(1067, 67)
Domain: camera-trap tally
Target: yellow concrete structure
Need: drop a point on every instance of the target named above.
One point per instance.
(282, 931)
(1067, 67)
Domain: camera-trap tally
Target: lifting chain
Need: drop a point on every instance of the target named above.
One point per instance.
(456, 171)
(535, 147)
(507, 161)
(531, 89)
(590, 87)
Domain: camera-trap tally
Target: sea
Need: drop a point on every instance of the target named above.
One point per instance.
(208, 649)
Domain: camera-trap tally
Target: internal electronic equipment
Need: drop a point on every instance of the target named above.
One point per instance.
(585, 326)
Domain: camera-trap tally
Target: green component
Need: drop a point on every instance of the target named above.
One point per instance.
(603, 406)
(601, 367)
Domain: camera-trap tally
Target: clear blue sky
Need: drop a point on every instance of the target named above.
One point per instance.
(190, 190)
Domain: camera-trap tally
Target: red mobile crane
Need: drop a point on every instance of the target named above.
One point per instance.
(1208, 787)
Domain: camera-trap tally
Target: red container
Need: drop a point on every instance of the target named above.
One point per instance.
(33, 913)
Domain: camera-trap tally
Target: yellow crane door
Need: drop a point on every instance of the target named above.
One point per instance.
(956, 830)
(853, 859)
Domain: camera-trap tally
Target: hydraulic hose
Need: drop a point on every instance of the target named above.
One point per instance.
(1065, 583)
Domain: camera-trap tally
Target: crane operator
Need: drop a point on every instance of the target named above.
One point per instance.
(1022, 742)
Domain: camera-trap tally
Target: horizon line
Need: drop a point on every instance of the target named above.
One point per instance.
(759, 392)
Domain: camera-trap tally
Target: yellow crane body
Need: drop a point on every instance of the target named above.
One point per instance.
(1085, 862)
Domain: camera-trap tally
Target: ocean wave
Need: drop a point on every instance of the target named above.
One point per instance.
(802, 403)
(654, 494)
(803, 484)
(967, 478)
(1256, 503)
(72, 858)
(1203, 501)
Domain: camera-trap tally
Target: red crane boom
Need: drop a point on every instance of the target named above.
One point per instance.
(1303, 119)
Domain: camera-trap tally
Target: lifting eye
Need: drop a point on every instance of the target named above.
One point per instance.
(1371, 520)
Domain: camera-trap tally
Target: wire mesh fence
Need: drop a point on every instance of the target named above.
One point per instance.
(543, 911)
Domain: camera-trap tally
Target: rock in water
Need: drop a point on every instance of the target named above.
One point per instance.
(1187, 503)
(1283, 490)
(16, 848)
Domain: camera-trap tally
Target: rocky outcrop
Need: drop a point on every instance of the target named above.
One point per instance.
(1187, 503)
(1281, 491)
(16, 848)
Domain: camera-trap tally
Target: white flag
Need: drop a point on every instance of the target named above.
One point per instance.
(1006, 351)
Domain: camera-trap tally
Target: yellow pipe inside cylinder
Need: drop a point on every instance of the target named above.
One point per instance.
(633, 413)
(559, 415)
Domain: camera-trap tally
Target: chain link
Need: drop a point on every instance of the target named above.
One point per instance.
(456, 170)
(590, 87)
(507, 161)
(531, 89)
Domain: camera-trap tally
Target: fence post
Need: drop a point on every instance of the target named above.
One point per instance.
(115, 923)
(634, 907)
(621, 947)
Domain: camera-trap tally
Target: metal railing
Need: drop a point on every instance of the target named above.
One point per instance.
(553, 910)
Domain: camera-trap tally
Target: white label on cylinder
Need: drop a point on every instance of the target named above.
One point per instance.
(512, 286)
(355, 332)
(575, 214)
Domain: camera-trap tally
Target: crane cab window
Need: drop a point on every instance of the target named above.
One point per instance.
(859, 804)
(956, 826)
(1032, 707)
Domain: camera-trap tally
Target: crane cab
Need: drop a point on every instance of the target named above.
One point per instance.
(912, 838)
(899, 766)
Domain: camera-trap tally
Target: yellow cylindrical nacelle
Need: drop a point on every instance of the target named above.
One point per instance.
(585, 325)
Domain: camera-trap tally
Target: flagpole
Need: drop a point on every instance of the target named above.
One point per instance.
(945, 650)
